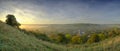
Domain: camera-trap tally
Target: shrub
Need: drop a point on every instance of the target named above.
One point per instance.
(52, 37)
(68, 37)
(60, 38)
(76, 40)
(101, 37)
(93, 38)
(84, 38)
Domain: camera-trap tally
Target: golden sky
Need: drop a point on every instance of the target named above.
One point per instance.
(61, 11)
(22, 17)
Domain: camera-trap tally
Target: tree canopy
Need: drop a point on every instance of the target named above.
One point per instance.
(11, 20)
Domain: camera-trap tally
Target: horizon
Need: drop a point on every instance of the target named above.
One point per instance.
(62, 11)
(70, 23)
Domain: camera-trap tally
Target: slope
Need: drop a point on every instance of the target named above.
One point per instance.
(12, 39)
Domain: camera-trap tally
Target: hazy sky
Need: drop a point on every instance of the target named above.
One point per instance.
(62, 11)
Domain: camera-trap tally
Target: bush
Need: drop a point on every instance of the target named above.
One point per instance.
(93, 38)
(84, 38)
(68, 37)
(76, 40)
(60, 38)
(57, 38)
(101, 37)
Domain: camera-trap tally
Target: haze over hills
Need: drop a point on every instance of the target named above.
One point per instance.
(68, 28)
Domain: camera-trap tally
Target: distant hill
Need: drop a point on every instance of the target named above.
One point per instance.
(68, 28)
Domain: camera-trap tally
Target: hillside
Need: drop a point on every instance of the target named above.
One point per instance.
(12, 39)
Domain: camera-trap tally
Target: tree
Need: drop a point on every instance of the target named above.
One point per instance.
(93, 38)
(52, 37)
(84, 38)
(102, 36)
(11, 20)
(60, 38)
(57, 38)
(76, 39)
(68, 37)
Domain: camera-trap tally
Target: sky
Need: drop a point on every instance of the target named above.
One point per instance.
(62, 11)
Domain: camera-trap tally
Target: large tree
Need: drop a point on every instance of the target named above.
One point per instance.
(11, 20)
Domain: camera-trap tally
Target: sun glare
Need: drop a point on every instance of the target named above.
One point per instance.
(23, 18)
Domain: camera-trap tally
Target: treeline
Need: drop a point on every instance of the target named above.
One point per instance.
(88, 38)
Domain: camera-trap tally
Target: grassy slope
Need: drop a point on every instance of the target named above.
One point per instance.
(12, 39)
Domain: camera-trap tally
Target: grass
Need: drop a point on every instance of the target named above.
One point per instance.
(12, 39)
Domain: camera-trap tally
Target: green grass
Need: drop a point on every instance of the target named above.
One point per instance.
(12, 39)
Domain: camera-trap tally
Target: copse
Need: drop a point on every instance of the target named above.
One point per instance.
(76, 39)
(11, 20)
(93, 38)
(60, 38)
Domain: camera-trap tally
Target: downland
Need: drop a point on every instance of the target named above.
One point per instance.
(12, 39)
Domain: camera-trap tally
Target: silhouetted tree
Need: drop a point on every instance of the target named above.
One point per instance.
(11, 20)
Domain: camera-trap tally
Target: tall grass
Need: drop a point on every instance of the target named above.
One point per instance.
(12, 39)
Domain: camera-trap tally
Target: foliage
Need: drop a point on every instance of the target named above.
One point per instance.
(93, 38)
(58, 38)
(84, 38)
(41, 36)
(11, 20)
(68, 38)
(62, 38)
(102, 37)
(76, 39)
(52, 37)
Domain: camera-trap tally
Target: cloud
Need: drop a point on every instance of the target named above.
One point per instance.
(63, 11)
